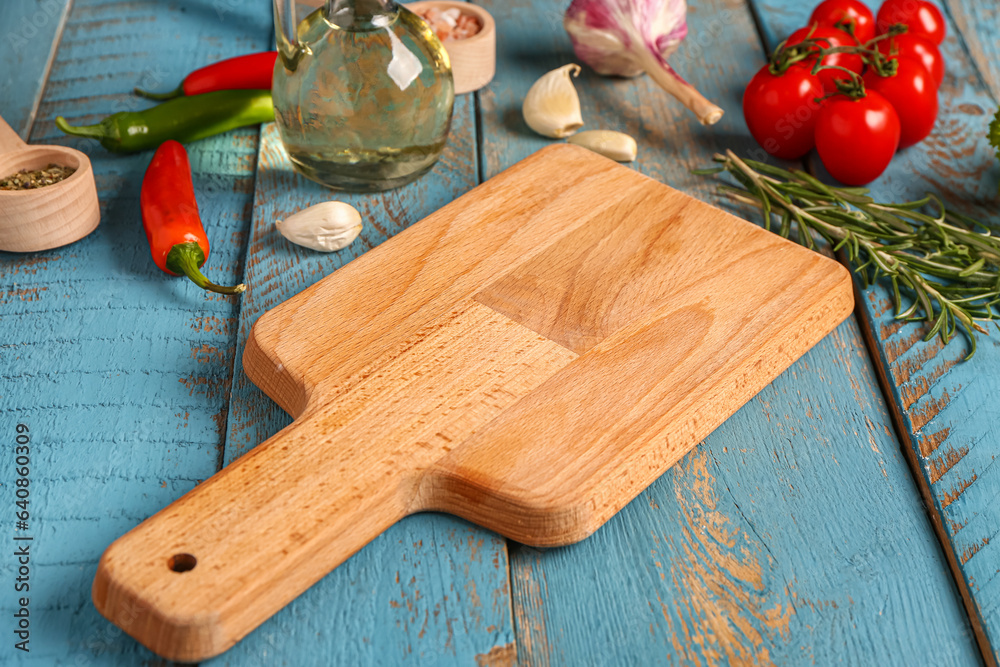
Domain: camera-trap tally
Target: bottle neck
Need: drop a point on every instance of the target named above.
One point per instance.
(352, 13)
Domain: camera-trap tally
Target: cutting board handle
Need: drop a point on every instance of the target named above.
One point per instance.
(195, 578)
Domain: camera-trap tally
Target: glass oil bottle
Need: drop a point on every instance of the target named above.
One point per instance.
(363, 93)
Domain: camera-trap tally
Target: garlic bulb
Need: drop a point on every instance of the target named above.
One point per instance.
(615, 145)
(629, 37)
(326, 227)
(552, 108)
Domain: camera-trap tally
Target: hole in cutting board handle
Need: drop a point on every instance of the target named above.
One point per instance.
(182, 562)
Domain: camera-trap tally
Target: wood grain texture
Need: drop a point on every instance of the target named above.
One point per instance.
(736, 555)
(120, 371)
(120, 378)
(675, 330)
(30, 32)
(319, 490)
(942, 407)
(419, 397)
(433, 588)
(275, 521)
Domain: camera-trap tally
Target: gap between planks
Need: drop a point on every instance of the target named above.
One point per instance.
(36, 103)
(971, 45)
(927, 497)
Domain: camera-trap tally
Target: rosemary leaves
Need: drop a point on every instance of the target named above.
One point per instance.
(946, 265)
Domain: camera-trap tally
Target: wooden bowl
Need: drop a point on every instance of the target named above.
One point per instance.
(50, 216)
(473, 60)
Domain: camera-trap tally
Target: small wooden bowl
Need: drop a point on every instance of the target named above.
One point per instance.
(473, 60)
(50, 216)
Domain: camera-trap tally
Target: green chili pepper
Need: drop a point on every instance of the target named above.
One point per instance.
(184, 119)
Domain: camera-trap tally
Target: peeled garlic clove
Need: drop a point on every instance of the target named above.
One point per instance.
(552, 108)
(615, 145)
(326, 227)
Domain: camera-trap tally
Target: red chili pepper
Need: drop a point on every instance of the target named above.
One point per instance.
(170, 217)
(250, 72)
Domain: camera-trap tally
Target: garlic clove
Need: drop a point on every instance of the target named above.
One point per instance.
(552, 108)
(615, 145)
(325, 227)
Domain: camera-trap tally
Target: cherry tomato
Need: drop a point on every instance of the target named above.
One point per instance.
(781, 110)
(923, 18)
(856, 138)
(840, 13)
(913, 95)
(918, 48)
(830, 37)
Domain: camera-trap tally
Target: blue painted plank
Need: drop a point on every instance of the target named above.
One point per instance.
(975, 23)
(709, 614)
(121, 373)
(945, 409)
(433, 589)
(794, 535)
(31, 32)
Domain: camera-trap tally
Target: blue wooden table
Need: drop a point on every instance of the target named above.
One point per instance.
(845, 515)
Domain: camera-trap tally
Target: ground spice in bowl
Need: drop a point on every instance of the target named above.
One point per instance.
(37, 178)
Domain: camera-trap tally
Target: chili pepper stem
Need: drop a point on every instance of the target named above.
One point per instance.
(186, 259)
(93, 131)
(160, 97)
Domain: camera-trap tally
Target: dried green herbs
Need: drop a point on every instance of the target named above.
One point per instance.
(37, 178)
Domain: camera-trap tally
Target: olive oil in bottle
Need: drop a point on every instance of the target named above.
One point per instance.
(363, 96)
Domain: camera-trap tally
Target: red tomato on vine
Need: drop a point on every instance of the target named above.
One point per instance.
(856, 138)
(921, 17)
(851, 16)
(913, 95)
(918, 48)
(781, 110)
(828, 37)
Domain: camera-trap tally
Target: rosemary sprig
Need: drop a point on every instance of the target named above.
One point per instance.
(947, 264)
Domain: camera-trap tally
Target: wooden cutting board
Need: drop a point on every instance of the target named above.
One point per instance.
(530, 357)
